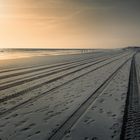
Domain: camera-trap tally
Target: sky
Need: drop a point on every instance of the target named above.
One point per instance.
(69, 23)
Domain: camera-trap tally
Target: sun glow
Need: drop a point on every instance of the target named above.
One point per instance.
(66, 24)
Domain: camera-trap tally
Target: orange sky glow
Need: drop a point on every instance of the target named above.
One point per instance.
(66, 24)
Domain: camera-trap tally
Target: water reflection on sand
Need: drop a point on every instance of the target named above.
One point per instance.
(23, 53)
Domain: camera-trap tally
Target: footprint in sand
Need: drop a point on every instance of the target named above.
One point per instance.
(89, 120)
(20, 123)
(49, 112)
(28, 127)
(114, 115)
(105, 93)
(101, 110)
(94, 107)
(67, 133)
(86, 138)
(7, 118)
(110, 95)
(101, 100)
(94, 138)
(112, 137)
(36, 133)
(57, 124)
(109, 113)
(114, 126)
(14, 115)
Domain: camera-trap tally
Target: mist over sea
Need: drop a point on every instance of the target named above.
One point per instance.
(22, 53)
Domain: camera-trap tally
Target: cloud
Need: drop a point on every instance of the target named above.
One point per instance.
(71, 21)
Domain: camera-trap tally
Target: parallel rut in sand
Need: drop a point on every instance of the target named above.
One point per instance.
(131, 121)
(19, 78)
(49, 103)
(7, 97)
(66, 126)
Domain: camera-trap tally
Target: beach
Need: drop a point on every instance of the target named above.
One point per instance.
(80, 96)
